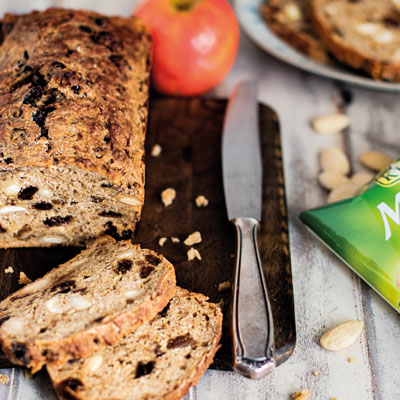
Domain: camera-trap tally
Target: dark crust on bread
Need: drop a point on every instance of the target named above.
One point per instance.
(76, 84)
(349, 55)
(303, 41)
(109, 332)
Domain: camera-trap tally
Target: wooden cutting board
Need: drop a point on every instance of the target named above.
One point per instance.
(189, 133)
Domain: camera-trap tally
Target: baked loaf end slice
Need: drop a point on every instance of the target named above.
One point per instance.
(73, 97)
(290, 19)
(362, 34)
(93, 300)
(160, 360)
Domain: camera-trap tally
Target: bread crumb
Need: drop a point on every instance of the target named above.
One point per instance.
(192, 254)
(224, 286)
(302, 395)
(161, 241)
(193, 238)
(23, 279)
(351, 360)
(156, 150)
(9, 270)
(4, 379)
(201, 201)
(168, 196)
(175, 239)
(316, 373)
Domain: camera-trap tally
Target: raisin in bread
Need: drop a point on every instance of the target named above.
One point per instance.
(73, 96)
(362, 34)
(93, 300)
(290, 19)
(160, 360)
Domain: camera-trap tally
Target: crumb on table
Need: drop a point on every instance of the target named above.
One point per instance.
(23, 279)
(302, 395)
(193, 238)
(161, 241)
(4, 379)
(156, 150)
(9, 270)
(192, 253)
(224, 286)
(201, 201)
(168, 196)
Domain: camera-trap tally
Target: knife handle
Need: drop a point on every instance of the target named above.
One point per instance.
(252, 325)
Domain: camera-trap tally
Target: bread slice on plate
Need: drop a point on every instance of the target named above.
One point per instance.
(290, 20)
(91, 301)
(73, 95)
(160, 360)
(362, 34)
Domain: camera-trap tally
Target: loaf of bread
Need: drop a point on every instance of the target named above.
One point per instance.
(290, 19)
(160, 360)
(93, 300)
(362, 34)
(73, 96)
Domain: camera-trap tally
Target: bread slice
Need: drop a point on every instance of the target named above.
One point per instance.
(73, 96)
(160, 360)
(362, 34)
(290, 19)
(93, 300)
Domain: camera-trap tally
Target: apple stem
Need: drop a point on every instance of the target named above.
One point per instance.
(183, 5)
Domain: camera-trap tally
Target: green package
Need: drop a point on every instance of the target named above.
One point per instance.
(364, 232)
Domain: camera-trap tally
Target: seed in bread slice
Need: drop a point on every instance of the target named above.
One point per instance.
(93, 300)
(290, 20)
(160, 360)
(362, 34)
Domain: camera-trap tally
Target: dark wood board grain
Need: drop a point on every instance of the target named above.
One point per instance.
(189, 133)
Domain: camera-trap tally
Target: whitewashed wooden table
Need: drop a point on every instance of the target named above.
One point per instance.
(326, 291)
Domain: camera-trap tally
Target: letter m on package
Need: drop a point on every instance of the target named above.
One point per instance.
(387, 212)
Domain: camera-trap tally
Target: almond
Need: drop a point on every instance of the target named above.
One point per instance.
(341, 336)
(342, 192)
(11, 188)
(94, 362)
(332, 179)
(334, 159)
(12, 209)
(361, 178)
(54, 305)
(13, 326)
(330, 124)
(131, 201)
(375, 160)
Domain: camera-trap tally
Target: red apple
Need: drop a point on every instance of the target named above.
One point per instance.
(195, 43)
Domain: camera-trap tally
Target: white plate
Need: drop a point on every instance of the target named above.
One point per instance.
(252, 22)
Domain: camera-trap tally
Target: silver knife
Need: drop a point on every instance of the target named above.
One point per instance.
(252, 325)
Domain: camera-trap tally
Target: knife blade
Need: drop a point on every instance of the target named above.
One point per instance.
(252, 325)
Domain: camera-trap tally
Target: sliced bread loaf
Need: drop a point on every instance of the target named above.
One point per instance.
(290, 19)
(73, 95)
(160, 360)
(91, 301)
(362, 34)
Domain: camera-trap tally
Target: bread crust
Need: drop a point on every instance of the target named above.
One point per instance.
(74, 85)
(348, 54)
(303, 41)
(36, 353)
